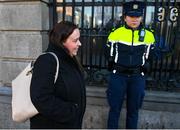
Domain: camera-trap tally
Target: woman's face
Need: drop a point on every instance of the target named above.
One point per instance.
(133, 21)
(72, 43)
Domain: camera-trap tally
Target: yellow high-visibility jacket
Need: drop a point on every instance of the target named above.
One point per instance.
(125, 48)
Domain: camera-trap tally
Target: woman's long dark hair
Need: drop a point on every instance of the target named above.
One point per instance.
(61, 31)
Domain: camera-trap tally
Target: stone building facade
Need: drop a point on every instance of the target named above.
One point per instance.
(24, 26)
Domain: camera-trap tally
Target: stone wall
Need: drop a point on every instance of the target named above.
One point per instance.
(160, 110)
(6, 121)
(23, 35)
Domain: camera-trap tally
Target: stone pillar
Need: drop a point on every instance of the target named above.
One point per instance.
(23, 35)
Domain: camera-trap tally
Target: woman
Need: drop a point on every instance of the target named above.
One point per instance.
(60, 105)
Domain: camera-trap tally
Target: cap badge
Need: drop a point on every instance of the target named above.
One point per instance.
(135, 6)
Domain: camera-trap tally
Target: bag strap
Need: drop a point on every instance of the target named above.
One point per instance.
(57, 67)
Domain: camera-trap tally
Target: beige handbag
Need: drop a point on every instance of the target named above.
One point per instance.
(22, 107)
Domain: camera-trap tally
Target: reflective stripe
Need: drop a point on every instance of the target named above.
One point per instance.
(147, 52)
(116, 56)
(111, 50)
(128, 43)
(143, 58)
(142, 73)
(107, 45)
(114, 71)
(145, 55)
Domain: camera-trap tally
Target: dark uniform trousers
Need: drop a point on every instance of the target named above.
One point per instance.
(120, 86)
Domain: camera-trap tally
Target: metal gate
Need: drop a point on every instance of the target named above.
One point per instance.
(96, 18)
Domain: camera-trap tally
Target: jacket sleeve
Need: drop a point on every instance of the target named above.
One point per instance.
(42, 91)
(109, 53)
(107, 49)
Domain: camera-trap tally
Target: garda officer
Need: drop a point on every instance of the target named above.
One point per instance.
(127, 51)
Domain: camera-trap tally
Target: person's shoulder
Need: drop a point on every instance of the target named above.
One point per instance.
(149, 30)
(45, 57)
(150, 34)
(114, 31)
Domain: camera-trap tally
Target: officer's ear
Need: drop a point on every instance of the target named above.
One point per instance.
(142, 19)
(124, 18)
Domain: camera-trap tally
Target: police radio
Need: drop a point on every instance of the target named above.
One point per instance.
(142, 35)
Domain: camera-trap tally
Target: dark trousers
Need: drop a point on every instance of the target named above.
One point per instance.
(119, 86)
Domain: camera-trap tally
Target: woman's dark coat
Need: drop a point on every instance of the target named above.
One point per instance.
(61, 105)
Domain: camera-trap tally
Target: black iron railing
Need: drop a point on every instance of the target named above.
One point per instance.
(96, 18)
